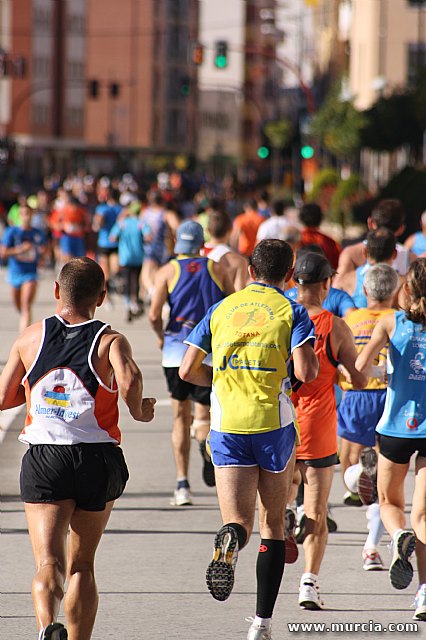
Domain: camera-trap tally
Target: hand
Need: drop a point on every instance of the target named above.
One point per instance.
(25, 246)
(148, 409)
(160, 343)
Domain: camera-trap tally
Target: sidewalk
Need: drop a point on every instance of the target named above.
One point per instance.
(151, 562)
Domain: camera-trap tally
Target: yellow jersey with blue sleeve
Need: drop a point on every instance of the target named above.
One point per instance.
(362, 322)
(251, 335)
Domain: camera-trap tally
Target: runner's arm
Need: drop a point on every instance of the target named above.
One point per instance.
(129, 380)
(347, 353)
(192, 368)
(159, 298)
(381, 334)
(305, 362)
(12, 393)
(224, 278)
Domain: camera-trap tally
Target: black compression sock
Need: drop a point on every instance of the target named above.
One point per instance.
(269, 573)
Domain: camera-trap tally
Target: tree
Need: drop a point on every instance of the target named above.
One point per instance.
(337, 125)
(393, 121)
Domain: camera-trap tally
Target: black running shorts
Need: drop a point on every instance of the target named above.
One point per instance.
(181, 390)
(90, 474)
(400, 450)
(321, 463)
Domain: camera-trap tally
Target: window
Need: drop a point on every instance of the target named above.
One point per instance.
(40, 114)
(416, 60)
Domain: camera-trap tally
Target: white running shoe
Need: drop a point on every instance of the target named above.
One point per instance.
(372, 560)
(181, 497)
(309, 596)
(420, 603)
(257, 632)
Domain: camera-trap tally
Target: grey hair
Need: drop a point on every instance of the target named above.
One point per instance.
(380, 282)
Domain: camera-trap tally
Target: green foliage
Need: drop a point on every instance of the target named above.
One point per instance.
(393, 121)
(326, 177)
(337, 125)
(341, 200)
(409, 186)
(279, 132)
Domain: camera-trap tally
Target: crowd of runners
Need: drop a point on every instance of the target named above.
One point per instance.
(323, 349)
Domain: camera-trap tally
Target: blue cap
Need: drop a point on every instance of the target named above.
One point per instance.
(189, 237)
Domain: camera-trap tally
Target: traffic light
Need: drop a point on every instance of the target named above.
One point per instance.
(307, 151)
(197, 53)
(263, 152)
(93, 88)
(185, 86)
(221, 54)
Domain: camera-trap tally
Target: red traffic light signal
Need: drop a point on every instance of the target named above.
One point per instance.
(197, 53)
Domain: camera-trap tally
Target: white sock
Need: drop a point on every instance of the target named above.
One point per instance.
(376, 528)
(40, 637)
(308, 577)
(396, 534)
(262, 622)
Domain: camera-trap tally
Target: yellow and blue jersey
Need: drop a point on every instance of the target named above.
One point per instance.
(362, 322)
(251, 335)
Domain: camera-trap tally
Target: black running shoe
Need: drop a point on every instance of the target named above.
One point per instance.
(401, 569)
(55, 631)
(220, 572)
(208, 468)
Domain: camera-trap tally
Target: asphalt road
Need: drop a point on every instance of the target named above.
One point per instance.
(152, 559)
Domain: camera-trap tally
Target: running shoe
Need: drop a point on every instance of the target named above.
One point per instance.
(220, 572)
(372, 560)
(401, 569)
(257, 632)
(309, 596)
(420, 604)
(291, 550)
(351, 499)
(54, 631)
(300, 530)
(208, 468)
(331, 523)
(181, 498)
(367, 479)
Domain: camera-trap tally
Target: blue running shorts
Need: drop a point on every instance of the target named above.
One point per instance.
(16, 280)
(358, 415)
(270, 451)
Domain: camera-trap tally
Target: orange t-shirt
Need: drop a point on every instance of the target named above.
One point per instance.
(315, 401)
(248, 224)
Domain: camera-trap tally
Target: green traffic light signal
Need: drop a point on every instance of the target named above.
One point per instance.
(221, 54)
(307, 152)
(263, 152)
(221, 62)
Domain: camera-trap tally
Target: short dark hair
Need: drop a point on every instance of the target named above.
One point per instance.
(272, 260)
(278, 207)
(218, 223)
(81, 281)
(388, 213)
(381, 244)
(250, 204)
(311, 215)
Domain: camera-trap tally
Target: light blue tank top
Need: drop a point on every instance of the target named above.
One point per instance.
(419, 246)
(404, 415)
(358, 295)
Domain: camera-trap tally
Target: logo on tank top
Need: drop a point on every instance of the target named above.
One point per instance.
(412, 423)
(417, 364)
(57, 396)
